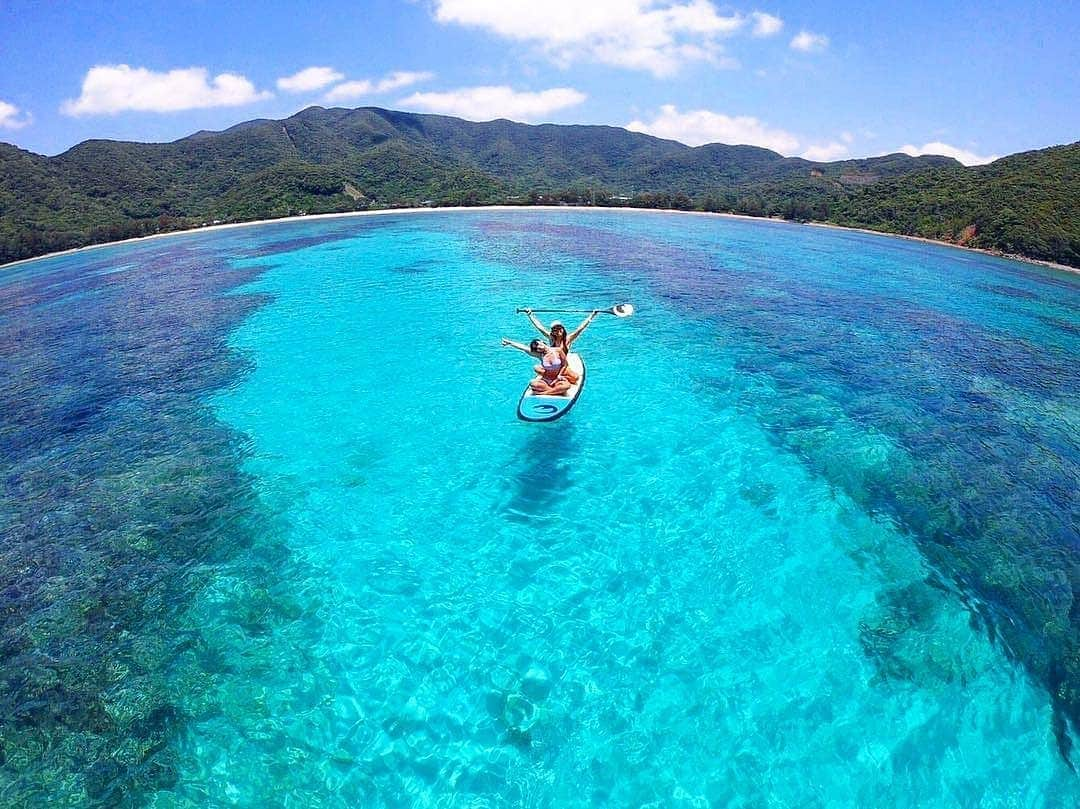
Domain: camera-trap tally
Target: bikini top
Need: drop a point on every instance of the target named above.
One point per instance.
(552, 359)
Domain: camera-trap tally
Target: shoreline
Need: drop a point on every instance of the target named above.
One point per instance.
(609, 208)
(982, 250)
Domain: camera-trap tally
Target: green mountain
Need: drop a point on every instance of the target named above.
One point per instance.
(1026, 204)
(331, 160)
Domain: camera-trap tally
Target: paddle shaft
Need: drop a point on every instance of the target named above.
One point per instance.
(610, 311)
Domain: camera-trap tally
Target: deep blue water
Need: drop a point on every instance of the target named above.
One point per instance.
(273, 536)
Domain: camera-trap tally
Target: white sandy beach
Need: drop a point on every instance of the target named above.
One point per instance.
(582, 208)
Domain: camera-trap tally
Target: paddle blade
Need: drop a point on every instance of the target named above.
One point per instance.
(623, 310)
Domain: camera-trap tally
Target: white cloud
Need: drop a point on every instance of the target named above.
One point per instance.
(938, 148)
(108, 89)
(402, 78)
(352, 90)
(826, 153)
(658, 36)
(697, 127)
(308, 79)
(765, 25)
(808, 42)
(9, 117)
(487, 103)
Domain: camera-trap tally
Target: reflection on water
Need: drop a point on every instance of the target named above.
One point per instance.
(544, 472)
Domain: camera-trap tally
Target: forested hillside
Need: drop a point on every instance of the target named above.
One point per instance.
(1027, 204)
(332, 160)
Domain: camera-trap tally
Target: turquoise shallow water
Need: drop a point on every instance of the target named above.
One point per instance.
(808, 539)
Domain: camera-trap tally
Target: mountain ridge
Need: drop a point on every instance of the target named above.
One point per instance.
(326, 160)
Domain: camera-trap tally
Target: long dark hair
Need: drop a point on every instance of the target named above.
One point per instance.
(558, 342)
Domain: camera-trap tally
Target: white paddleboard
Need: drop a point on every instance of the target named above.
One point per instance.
(542, 407)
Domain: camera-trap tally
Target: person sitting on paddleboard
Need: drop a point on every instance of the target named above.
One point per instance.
(552, 373)
(559, 338)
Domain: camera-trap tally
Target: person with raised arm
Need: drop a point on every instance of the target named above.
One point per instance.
(552, 371)
(559, 337)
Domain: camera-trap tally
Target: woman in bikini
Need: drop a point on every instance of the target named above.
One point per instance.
(551, 373)
(560, 339)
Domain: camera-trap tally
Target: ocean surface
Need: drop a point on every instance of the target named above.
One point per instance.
(273, 536)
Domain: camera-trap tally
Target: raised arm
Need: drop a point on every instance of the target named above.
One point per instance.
(539, 326)
(518, 346)
(577, 332)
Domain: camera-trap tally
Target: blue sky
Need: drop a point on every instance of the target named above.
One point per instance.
(826, 80)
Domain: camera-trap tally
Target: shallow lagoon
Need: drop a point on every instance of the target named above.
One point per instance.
(273, 535)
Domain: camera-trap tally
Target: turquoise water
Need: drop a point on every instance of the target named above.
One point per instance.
(809, 538)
